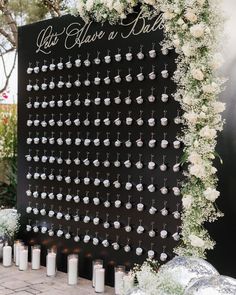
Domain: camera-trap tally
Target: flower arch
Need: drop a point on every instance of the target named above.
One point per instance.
(192, 28)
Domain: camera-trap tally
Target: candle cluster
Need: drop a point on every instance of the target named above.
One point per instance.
(19, 255)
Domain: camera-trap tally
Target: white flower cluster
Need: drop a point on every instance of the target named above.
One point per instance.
(101, 10)
(111, 10)
(193, 28)
(9, 223)
(150, 281)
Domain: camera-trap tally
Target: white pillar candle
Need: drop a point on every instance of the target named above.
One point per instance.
(14, 252)
(72, 269)
(7, 255)
(51, 263)
(17, 246)
(119, 275)
(23, 258)
(98, 263)
(35, 257)
(99, 280)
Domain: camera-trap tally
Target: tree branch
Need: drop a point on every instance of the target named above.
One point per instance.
(5, 51)
(10, 22)
(3, 65)
(7, 76)
(8, 37)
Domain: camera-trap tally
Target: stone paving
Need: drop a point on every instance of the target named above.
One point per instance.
(13, 281)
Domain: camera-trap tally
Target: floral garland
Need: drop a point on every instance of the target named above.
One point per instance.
(192, 27)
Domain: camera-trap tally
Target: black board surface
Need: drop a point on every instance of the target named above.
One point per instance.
(67, 39)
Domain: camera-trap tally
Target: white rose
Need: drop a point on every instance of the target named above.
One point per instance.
(108, 4)
(80, 7)
(196, 143)
(211, 88)
(204, 108)
(213, 170)
(187, 50)
(202, 115)
(197, 30)
(201, 2)
(177, 10)
(217, 119)
(150, 2)
(197, 170)
(176, 42)
(196, 241)
(212, 156)
(187, 201)
(195, 158)
(191, 117)
(180, 21)
(217, 61)
(191, 16)
(197, 74)
(89, 5)
(207, 132)
(211, 194)
(188, 100)
(168, 15)
(118, 6)
(218, 106)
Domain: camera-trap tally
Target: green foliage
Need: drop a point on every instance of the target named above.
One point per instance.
(8, 152)
(8, 188)
(8, 130)
(30, 11)
(25, 11)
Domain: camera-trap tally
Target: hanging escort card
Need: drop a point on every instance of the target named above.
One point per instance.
(99, 160)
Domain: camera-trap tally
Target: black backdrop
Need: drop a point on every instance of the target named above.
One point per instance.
(223, 256)
(29, 52)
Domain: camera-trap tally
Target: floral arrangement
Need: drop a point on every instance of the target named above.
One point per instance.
(9, 223)
(148, 280)
(193, 28)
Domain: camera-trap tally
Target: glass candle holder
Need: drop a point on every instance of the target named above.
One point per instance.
(16, 250)
(7, 255)
(35, 257)
(51, 262)
(23, 257)
(72, 269)
(98, 263)
(119, 275)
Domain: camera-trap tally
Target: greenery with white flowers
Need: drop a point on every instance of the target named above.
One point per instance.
(192, 28)
(9, 223)
(147, 279)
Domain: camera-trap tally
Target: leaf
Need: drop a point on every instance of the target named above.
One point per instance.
(184, 158)
(219, 157)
